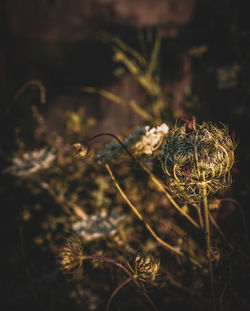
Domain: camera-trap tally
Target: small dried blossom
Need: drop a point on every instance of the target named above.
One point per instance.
(81, 150)
(69, 256)
(145, 268)
(98, 225)
(145, 141)
(31, 162)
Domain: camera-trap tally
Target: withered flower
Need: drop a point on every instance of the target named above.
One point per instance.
(69, 256)
(144, 268)
(195, 155)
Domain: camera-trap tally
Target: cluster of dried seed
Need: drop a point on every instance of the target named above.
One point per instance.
(194, 154)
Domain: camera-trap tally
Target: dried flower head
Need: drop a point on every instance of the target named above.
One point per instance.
(145, 268)
(31, 162)
(195, 154)
(69, 256)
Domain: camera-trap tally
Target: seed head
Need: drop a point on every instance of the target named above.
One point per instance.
(69, 256)
(146, 268)
(194, 155)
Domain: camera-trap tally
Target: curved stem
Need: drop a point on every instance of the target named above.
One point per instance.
(208, 243)
(155, 180)
(116, 291)
(109, 260)
(131, 276)
(227, 165)
(138, 214)
(175, 176)
(36, 83)
(118, 140)
(161, 186)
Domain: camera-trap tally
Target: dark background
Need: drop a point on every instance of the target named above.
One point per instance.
(54, 42)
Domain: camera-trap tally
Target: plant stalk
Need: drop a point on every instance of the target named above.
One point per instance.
(131, 276)
(208, 243)
(116, 291)
(138, 214)
(161, 186)
(152, 176)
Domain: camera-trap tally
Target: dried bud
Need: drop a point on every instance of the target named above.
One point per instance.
(146, 268)
(69, 256)
(83, 150)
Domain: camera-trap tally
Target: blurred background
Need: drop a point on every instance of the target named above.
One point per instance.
(204, 69)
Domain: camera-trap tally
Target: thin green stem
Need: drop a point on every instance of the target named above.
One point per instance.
(208, 243)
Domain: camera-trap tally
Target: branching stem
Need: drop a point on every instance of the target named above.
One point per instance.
(130, 275)
(161, 186)
(138, 214)
(152, 176)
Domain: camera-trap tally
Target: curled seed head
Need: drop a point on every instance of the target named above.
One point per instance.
(201, 154)
(146, 268)
(69, 256)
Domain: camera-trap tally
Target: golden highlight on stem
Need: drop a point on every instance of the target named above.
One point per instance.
(161, 186)
(138, 214)
(131, 277)
(208, 242)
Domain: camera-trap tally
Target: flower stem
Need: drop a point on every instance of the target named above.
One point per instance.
(208, 243)
(138, 214)
(116, 291)
(199, 215)
(131, 276)
(160, 185)
(152, 176)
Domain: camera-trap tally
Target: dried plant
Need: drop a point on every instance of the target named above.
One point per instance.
(163, 171)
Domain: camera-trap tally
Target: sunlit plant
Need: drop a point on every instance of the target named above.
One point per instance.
(185, 162)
